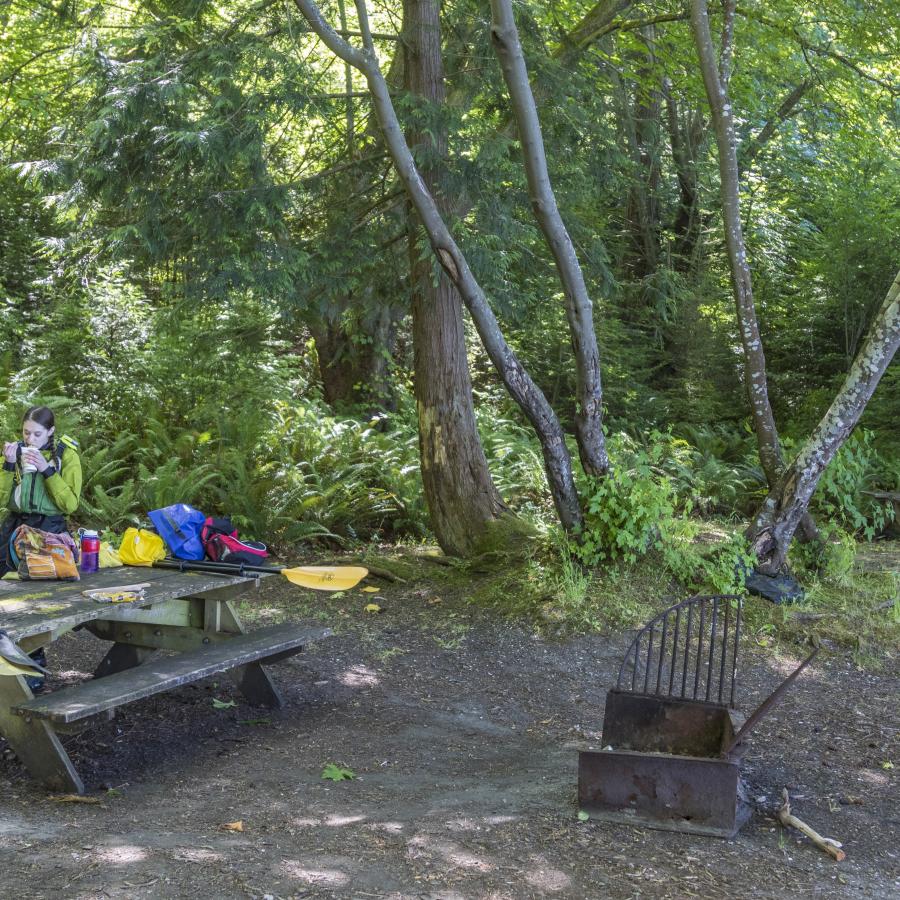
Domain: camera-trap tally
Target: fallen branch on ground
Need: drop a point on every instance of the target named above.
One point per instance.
(823, 843)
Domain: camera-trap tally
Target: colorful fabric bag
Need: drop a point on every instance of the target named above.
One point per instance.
(221, 543)
(41, 555)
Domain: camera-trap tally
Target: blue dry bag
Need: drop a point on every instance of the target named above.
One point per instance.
(179, 526)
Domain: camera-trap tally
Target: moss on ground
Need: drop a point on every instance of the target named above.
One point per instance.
(851, 608)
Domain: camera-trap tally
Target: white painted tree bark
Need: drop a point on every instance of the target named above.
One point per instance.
(579, 309)
(557, 461)
(786, 504)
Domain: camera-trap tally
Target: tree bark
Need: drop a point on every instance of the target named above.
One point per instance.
(579, 309)
(715, 80)
(641, 108)
(461, 497)
(787, 503)
(755, 379)
(356, 373)
(558, 463)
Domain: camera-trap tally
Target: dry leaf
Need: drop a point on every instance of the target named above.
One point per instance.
(434, 601)
(368, 589)
(75, 798)
(233, 826)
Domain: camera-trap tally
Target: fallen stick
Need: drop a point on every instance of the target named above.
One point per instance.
(823, 843)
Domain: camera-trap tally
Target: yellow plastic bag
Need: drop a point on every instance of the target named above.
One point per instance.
(109, 557)
(140, 547)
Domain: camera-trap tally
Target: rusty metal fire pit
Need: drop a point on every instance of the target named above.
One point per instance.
(672, 744)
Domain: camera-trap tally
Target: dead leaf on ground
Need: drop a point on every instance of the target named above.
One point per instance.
(368, 589)
(434, 601)
(75, 798)
(233, 826)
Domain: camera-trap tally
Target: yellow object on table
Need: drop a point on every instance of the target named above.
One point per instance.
(109, 557)
(140, 547)
(125, 593)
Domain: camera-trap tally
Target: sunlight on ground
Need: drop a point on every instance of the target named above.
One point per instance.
(331, 878)
(358, 676)
(785, 665)
(338, 821)
(120, 856)
(874, 777)
(73, 675)
(389, 827)
(545, 877)
(449, 851)
(468, 824)
(328, 821)
(196, 854)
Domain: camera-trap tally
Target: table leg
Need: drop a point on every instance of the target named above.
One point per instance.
(252, 680)
(34, 741)
(122, 656)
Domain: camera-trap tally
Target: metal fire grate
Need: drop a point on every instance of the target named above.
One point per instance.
(672, 752)
(688, 651)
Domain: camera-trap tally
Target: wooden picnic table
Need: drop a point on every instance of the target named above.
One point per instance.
(187, 612)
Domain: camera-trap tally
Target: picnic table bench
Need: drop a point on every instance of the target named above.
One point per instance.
(187, 612)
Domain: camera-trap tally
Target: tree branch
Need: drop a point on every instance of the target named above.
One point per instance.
(818, 49)
(579, 310)
(755, 145)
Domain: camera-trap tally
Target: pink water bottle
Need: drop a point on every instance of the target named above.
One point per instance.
(90, 552)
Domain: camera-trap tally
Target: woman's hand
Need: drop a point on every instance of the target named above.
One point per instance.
(36, 458)
(9, 451)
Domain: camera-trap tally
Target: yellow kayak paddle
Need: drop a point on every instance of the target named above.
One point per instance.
(318, 578)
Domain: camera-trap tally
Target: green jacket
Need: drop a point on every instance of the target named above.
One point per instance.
(54, 494)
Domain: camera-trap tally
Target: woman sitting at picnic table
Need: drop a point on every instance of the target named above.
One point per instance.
(40, 485)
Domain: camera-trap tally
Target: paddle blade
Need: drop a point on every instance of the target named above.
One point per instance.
(326, 578)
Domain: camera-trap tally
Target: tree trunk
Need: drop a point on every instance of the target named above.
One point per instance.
(755, 379)
(579, 309)
(356, 373)
(641, 107)
(715, 80)
(524, 391)
(460, 494)
(686, 139)
(787, 503)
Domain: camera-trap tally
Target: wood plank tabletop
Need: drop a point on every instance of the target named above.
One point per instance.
(33, 607)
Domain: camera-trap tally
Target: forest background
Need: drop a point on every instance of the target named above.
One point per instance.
(210, 268)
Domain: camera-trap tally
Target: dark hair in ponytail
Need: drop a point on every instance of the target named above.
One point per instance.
(43, 415)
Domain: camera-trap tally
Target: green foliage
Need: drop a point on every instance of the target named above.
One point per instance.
(634, 511)
(196, 209)
(627, 512)
(842, 493)
(333, 772)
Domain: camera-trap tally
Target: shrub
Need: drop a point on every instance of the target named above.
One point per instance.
(841, 495)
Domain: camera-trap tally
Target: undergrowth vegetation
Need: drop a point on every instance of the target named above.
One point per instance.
(668, 520)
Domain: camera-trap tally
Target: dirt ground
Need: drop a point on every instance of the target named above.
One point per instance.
(462, 730)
